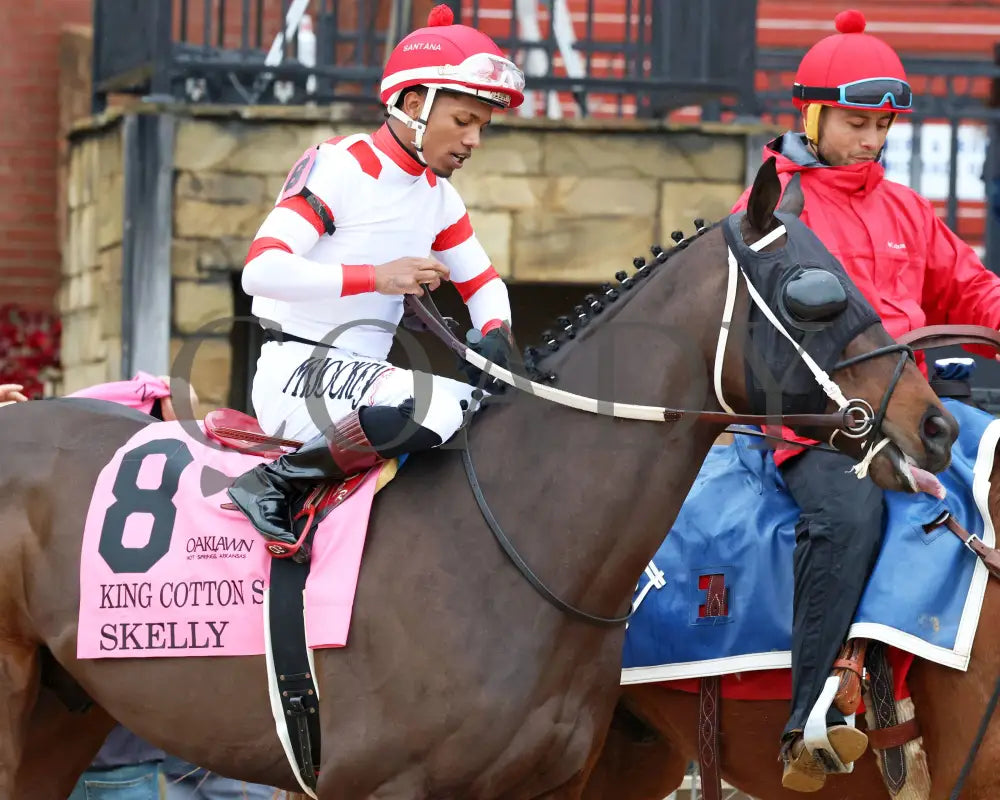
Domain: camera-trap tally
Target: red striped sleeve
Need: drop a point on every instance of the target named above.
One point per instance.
(358, 279)
(301, 206)
(265, 243)
(493, 324)
(470, 287)
(453, 235)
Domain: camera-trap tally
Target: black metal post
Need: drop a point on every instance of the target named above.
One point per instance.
(161, 48)
(98, 99)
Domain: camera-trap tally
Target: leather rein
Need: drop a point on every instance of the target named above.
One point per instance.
(855, 419)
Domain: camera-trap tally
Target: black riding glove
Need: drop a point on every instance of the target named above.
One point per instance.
(495, 346)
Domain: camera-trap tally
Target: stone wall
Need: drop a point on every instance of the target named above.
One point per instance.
(551, 202)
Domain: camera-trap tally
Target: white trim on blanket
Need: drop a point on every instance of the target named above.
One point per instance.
(894, 637)
(957, 657)
(710, 666)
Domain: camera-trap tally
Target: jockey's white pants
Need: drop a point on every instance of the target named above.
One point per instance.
(300, 390)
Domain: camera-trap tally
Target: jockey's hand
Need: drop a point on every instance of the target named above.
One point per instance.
(405, 275)
(495, 346)
(11, 393)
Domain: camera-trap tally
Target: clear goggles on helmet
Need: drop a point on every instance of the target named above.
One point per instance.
(866, 93)
(485, 70)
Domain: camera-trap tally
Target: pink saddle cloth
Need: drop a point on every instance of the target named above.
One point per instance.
(166, 571)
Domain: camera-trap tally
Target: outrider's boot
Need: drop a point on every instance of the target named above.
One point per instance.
(268, 493)
(804, 771)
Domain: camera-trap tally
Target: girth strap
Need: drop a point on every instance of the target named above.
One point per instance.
(709, 697)
(709, 706)
(882, 700)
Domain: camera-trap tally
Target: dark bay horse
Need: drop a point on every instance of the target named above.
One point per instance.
(459, 680)
(638, 763)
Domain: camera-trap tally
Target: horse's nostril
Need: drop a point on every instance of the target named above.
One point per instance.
(936, 429)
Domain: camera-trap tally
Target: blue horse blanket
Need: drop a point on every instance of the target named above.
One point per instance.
(738, 521)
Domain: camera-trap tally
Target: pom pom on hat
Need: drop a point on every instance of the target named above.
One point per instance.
(443, 15)
(850, 21)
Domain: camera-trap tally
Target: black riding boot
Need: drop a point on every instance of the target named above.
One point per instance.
(268, 492)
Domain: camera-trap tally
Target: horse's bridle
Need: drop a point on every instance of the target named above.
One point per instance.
(855, 419)
(860, 420)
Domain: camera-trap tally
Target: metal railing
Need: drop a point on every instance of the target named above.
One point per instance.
(650, 55)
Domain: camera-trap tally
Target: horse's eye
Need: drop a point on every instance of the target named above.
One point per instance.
(815, 296)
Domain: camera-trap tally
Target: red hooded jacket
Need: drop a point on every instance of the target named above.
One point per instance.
(904, 259)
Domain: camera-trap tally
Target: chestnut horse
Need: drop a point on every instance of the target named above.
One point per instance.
(949, 706)
(459, 679)
(655, 730)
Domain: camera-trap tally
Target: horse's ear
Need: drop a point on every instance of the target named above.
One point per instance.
(764, 196)
(793, 201)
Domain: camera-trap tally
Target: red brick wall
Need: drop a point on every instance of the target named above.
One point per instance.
(29, 115)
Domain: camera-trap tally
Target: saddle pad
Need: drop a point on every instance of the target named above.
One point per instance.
(165, 571)
(924, 595)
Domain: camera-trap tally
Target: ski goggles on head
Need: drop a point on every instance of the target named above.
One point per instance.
(486, 70)
(866, 93)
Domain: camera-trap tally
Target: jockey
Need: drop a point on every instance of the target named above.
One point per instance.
(361, 221)
(850, 87)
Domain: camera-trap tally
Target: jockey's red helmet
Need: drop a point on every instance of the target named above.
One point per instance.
(456, 58)
(850, 69)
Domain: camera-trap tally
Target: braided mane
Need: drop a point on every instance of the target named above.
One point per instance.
(567, 325)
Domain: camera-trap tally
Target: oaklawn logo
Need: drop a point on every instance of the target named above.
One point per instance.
(218, 544)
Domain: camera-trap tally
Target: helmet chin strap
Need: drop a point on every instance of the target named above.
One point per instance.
(419, 125)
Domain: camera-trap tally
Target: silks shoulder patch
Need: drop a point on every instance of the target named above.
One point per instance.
(295, 183)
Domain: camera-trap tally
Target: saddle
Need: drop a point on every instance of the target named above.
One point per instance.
(241, 432)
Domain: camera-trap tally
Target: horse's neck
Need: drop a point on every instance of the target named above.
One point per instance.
(596, 495)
